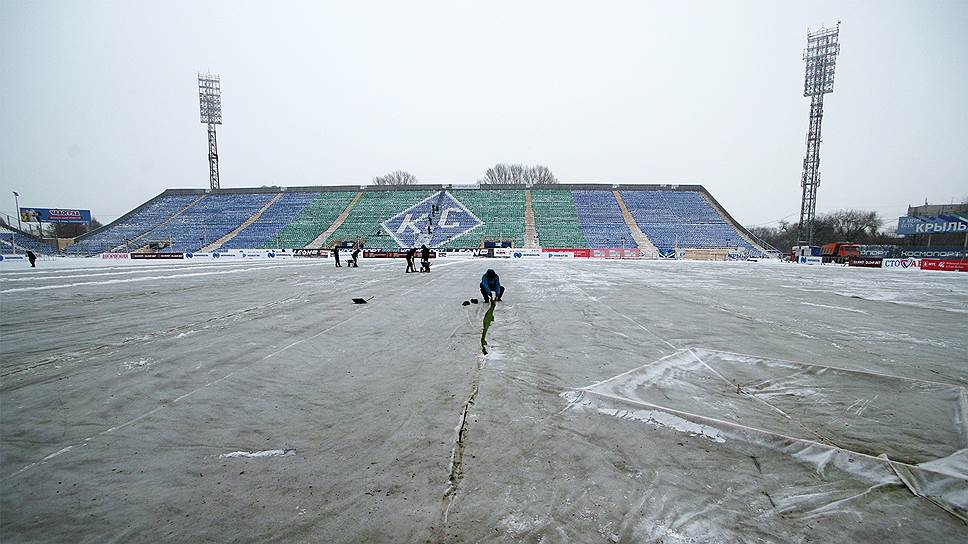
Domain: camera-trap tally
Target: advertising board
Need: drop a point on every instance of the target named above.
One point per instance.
(558, 254)
(54, 215)
(614, 253)
(310, 252)
(162, 255)
(902, 264)
(932, 224)
(807, 259)
(874, 250)
(523, 253)
(865, 262)
(944, 264)
(114, 256)
(949, 253)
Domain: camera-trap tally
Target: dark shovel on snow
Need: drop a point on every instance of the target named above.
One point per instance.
(362, 300)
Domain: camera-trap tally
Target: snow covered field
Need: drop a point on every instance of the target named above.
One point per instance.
(618, 402)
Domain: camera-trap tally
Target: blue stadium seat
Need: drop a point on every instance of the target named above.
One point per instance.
(272, 221)
(601, 220)
(682, 219)
(117, 234)
(208, 220)
(15, 242)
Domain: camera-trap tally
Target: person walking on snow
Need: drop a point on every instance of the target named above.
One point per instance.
(411, 253)
(336, 255)
(491, 284)
(32, 258)
(424, 258)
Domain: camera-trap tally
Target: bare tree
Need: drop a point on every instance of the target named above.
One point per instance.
(503, 174)
(852, 225)
(859, 226)
(539, 174)
(70, 230)
(500, 174)
(398, 177)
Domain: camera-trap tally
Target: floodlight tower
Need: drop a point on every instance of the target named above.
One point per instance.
(210, 107)
(821, 58)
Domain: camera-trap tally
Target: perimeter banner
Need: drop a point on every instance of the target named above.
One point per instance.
(944, 264)
(902, 264)
(866, 262)
(161, 255)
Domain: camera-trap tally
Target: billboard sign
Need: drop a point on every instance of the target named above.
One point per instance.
(54, 215)
(932, 224)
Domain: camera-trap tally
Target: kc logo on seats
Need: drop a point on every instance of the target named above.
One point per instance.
(410, 227)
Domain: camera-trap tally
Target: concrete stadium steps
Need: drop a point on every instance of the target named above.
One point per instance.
(645, 245)
(274, 219)
(235, 232)
(371, 210)
(501, 210)
(314, 219)
(530, 233)
(556, 220)
(318, 241)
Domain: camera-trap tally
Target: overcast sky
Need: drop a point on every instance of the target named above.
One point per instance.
(99, 104)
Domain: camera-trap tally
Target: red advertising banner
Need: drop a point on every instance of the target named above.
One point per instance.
(944, 264)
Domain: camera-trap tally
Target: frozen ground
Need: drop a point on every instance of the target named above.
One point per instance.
(254, 402)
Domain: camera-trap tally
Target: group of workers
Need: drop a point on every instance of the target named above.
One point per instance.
(490, 282)
(354, 257)
(424, 259)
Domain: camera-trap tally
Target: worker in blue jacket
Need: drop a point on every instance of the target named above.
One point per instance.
(491, 283)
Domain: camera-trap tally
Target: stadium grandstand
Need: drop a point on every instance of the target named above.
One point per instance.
(13, 241)
(662, 218)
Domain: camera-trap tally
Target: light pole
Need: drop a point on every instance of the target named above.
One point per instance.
(210, 108)
(16, 199)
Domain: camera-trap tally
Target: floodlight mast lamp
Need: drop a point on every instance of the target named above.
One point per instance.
(821, 58)
(210, 109)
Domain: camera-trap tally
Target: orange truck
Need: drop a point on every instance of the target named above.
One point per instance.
(839, 252)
